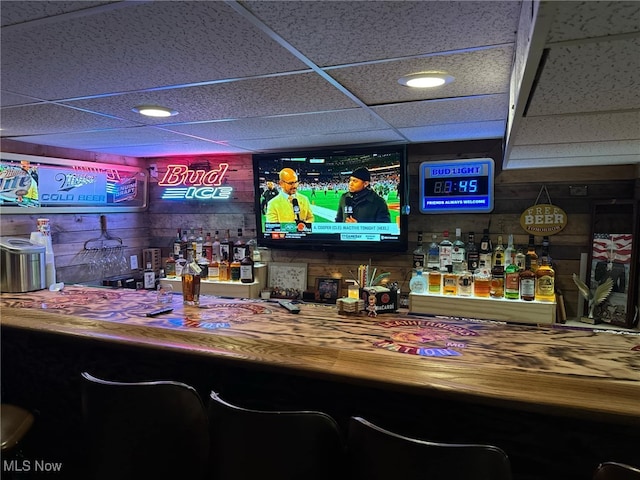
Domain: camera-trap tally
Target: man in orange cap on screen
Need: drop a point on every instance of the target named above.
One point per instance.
(288, 205)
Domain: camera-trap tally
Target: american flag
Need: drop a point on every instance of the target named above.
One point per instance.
(612, 247)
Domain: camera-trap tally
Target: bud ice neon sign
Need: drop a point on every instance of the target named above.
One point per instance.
(185, 184)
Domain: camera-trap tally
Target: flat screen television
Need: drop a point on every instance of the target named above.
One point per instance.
(339, 199)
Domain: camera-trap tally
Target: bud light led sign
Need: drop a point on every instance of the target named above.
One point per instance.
(457, 186)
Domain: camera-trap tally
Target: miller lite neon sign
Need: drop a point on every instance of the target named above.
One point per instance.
(185, 184)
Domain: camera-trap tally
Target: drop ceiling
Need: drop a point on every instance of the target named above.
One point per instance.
(558, 81)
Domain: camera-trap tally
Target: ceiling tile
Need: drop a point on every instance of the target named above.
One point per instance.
(147, 44)
(279, 95)
(336, 33)
(51, 118)
(594, 77)
(377, 83)
(455, 132)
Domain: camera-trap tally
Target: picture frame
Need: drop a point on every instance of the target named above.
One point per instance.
(328, 289)
(287, 280)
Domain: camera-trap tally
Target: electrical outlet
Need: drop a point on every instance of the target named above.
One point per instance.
(134, 262)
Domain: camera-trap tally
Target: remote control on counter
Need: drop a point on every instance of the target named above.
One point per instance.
(289, 306)
(159, 311)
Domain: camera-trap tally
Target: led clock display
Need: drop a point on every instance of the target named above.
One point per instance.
(457, 186)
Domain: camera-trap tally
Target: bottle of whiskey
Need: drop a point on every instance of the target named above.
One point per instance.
(458, 253)
(473, 258)
(170, 266)
(512, 282)
(215, 246)
(226, 248)
(545, 281)
(433, 254)
(180, 263)
(224, 269)
(497, 280)
(527, 281)
(482, 281)
(531, 251)
(199, 241)
(465, 282)
(444, 251)
(435, 281)
(239, 247)
(419, 255)
(234, 270)
(486, 250)
(191, 283)
(177, 245)
(498, 253)
(207, 250)
(449, 282)
(214, 269)
(520, 259)
(246, 268)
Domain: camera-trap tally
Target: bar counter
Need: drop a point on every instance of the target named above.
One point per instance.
(572, 372)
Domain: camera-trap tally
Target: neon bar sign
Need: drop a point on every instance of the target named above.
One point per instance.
(185, 184)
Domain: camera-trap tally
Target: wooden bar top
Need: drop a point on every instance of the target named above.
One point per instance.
(569, 371)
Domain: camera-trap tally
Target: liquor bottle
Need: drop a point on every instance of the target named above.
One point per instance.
(497, 280)
(520, 259)
(177, 245)
(191, 283)
(224, 272)
(512, 282)
(214, 269)
(239, 247)
(199, 241)
(458, 253)
(246, 268)
(180, 263)
(527, 281)
(498, 253)
(465, 282)
(418, 283)
(419, 255)
(545, 281)
(486, 250)
(449, 282)
(473, 259)
(234, 269)
(482, 281)
(203, 263)
(226, 248)
(215, 247)
(433, 254)
(184, 241)
(444, 251)
(170, 266)
(149, 278)
(207, 250)
(435, 281)
(545, 251)
(509, 252)
(531, 251)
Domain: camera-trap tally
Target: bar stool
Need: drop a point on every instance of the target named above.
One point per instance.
(290, 445)
(616, 471)
(140, 430)
(15, 424)
(377, 454)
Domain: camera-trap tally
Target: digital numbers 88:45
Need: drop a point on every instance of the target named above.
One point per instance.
(450, 186)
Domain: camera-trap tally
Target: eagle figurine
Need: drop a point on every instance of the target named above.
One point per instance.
(598, 296)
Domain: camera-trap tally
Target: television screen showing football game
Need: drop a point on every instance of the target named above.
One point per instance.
(339, 198)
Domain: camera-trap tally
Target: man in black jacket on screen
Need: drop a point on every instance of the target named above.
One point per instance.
(361, 203)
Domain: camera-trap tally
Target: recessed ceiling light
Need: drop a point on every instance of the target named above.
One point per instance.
(154, 111)
(425, 79)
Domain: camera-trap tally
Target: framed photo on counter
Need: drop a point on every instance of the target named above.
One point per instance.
(328, 290)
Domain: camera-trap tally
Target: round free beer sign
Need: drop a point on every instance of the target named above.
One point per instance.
(543, 219)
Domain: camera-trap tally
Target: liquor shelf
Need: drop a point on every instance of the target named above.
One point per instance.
(514, 311)
(227, 289)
